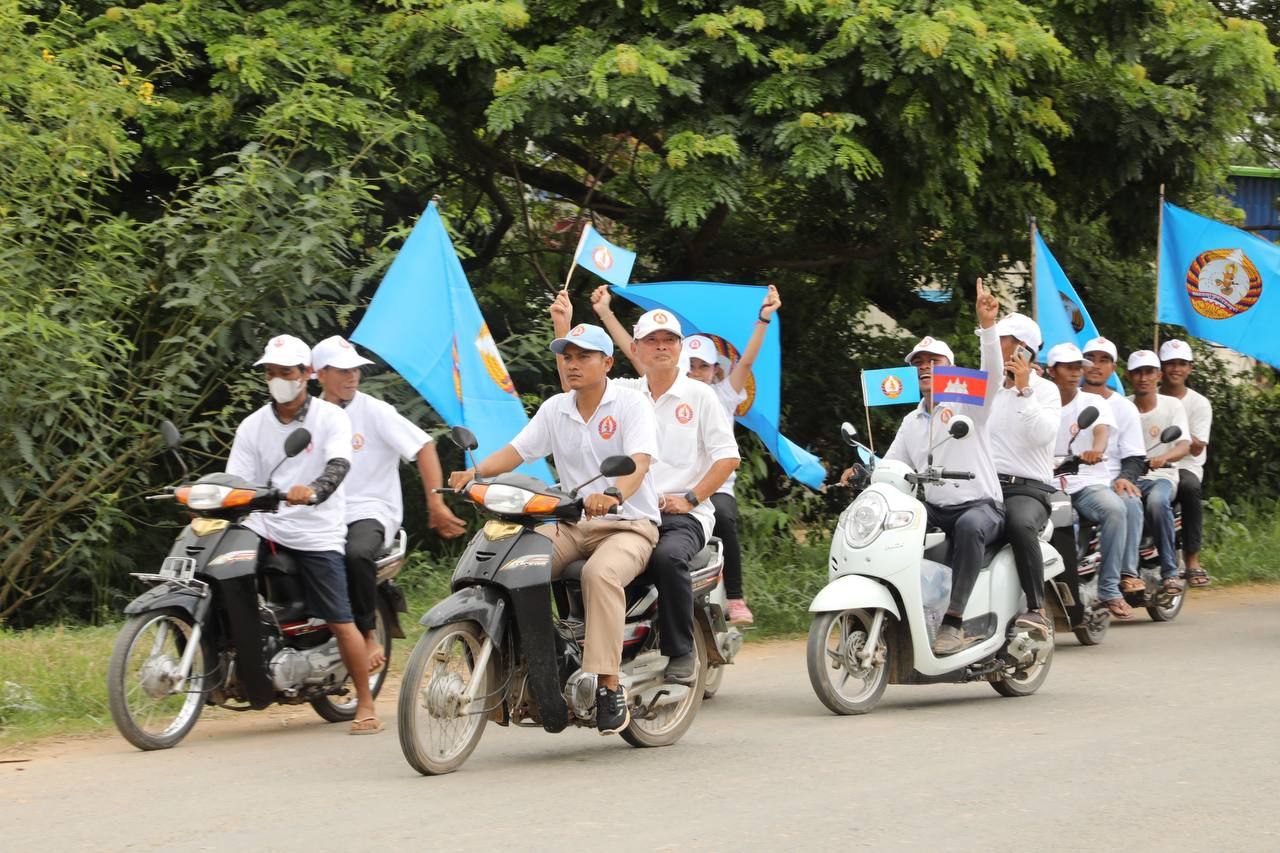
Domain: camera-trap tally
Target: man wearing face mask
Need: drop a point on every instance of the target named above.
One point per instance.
(312, 526)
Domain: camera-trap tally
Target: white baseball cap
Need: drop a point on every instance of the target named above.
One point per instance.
(933, 346)
(1171, 350)
(702, 348)
(1102, 345)
(585, 336)
(1143, 358)
(1022, 328)
(1067, 353)
(285, 351)
(336, 351)
(657, 320)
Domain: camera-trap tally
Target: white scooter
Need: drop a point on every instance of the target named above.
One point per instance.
(876, 619)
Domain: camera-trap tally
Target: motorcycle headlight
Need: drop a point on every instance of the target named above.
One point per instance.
(209, 496)
(511, 500)
(865, 520)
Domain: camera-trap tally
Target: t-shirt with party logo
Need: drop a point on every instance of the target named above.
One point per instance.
(1168, 412)
(381, 438)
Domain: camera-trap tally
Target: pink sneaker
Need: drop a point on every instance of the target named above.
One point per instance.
(739, 613)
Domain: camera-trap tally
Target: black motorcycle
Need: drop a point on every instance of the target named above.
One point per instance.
(226, 624)
(496, 650)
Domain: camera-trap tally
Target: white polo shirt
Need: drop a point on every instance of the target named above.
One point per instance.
(1200, 417)
(1023, 430)
(1168, 412)
(693, 433)
(972, 453)
(259, 446)
(1090, 475)
(381, 438)
(730, 399)
(622, 425)
(1126, 439)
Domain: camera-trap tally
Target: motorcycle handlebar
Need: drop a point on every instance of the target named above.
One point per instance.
(957, 475)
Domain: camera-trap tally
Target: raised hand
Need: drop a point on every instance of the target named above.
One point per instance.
(772, 302)
(988, 307)
(600, 300)
(561, 314)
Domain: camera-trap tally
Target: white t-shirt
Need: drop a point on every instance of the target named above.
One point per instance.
(1168, 412)
(381, 438)
(693, 433)
(1200, 417)
(622, 425)
(1023, 430)
(1090, 475)
(259, 446)
(1126, 438)
(730, 399)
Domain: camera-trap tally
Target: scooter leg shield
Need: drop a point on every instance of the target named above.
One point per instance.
(854, 592)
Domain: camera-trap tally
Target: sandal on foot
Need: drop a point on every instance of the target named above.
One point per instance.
(1198, 578)
(1171, 585)
(1118, 607)
(1129, 583)
(365, 726)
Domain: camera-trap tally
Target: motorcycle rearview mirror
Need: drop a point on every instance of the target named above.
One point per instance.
(961, 426)
(1087, 417)
(173, 441)
(464, 438)
(849, 433)
(1170, 434)
(618, 466)
(297, 441)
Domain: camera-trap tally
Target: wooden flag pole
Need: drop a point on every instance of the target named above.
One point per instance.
(866, 407)
(1155, 333)
(1035, 302)
(573, 266)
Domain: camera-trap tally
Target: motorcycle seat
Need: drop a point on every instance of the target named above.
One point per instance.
(280, 562)
(938, 553)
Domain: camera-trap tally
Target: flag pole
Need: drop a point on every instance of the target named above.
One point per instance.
(1035, 302)
(586, 226)
(573, 266)
(866, 407)
(1155, 332)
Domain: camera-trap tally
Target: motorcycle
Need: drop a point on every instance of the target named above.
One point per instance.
(888, 589)
(225, 622)
(496, 650)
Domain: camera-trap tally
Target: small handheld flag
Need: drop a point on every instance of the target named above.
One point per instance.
(959, 385)
(595, 253)
(891, 386)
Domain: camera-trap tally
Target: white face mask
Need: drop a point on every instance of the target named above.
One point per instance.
(285, 390)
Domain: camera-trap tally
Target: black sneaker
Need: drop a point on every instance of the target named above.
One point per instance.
(682, 670)
(612, 714)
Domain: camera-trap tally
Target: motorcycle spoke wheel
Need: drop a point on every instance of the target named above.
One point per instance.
(839, 680)
(1027, 681)
(437, 730)
(341, 707)
(670, 722)
(143, 674)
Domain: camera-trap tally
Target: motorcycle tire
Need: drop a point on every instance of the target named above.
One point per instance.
(1015, 687)
(1094, 631)
(645, 734)
(416, 739)
(1169, 612)
(819, 660)
(120, 697)
(714, 679)
(341, 707)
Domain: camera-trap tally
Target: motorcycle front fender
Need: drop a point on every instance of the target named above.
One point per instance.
(481, 604)
(164, 595)
(854, 592)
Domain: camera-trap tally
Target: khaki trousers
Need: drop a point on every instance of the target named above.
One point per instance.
(616, 553)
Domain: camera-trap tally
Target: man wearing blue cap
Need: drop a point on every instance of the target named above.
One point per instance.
(594, 419)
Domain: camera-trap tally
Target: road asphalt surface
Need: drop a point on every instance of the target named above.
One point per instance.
(1163, 738)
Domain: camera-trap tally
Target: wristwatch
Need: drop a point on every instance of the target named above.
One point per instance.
(1025, 392)
(692, 498)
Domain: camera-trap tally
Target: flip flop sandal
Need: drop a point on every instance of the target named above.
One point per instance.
(1198, 578)
(1171, 586)
(365, 726)
(1129, 583)
(1118, 607)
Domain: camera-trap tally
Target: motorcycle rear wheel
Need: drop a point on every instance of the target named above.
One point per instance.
(1026, 682)
(827, 663)
(147, 650)
(341, 707)
(672, 721)
(715, 677)
(436, 737)
(1168, 612)
(1094, 630)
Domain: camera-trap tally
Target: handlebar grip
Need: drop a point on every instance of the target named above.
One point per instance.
(957, 475)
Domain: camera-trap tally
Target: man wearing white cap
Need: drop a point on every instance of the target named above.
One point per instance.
(312, 527)
(1175, 365)
(696, 454)
(1159, 412)
(593, 419)
(1023, 424)
(380, 438)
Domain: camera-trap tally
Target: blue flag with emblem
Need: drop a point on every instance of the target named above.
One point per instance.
(1220, 283)
(727, 313)
(891, 386)
(1060, 311)
(425, 323)
(595, 253)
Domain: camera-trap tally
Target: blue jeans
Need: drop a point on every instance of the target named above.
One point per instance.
(1158, 496)
(1119, 521)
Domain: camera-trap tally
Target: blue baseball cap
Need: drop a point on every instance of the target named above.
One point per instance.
(586, 337)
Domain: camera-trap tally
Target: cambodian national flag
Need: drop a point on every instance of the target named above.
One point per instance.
(891, 386)
(959, 385)
(595, 253)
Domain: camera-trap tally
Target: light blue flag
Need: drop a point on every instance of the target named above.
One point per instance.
(1220, 284)
(727, 313)
(1060, 312)
(595, 253)
(891, 386)
(424, 322)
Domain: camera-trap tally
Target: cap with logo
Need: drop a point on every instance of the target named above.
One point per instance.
(702, 348)
(585, 336)
(1022, 328)
(1067, 353)
(657, 320)
(932, 346)
(285, 351)
(336, 351)
(1102, 345)
(1175, 350)
(1143, 358)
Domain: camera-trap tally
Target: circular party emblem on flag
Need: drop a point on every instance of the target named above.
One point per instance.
(602, 257)
(891, 387)
(1223, 283)
(684, 413)
(608, 427)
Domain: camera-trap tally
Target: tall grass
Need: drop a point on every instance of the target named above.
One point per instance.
(1242, 543)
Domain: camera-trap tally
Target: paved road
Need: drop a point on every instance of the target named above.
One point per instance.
(1166, 737)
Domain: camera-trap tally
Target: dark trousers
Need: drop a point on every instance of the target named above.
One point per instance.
(969, 528)
(680, 538)
(1026, 512)
(1191, 498)
(364, 541)
(726, 530)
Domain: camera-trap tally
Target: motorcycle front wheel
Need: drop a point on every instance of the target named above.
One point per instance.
(1026, 682)
(843, 685)
(143, 673)
(341, 707)
(437, 732)
(670, 722)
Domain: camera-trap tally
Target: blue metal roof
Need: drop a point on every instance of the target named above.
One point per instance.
(1256, 196)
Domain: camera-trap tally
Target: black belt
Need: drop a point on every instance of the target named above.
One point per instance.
(1010, 480)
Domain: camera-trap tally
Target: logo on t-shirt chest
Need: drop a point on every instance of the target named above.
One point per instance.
(608, 426)
(684, 413)
(1154, 431)
(357, 441)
